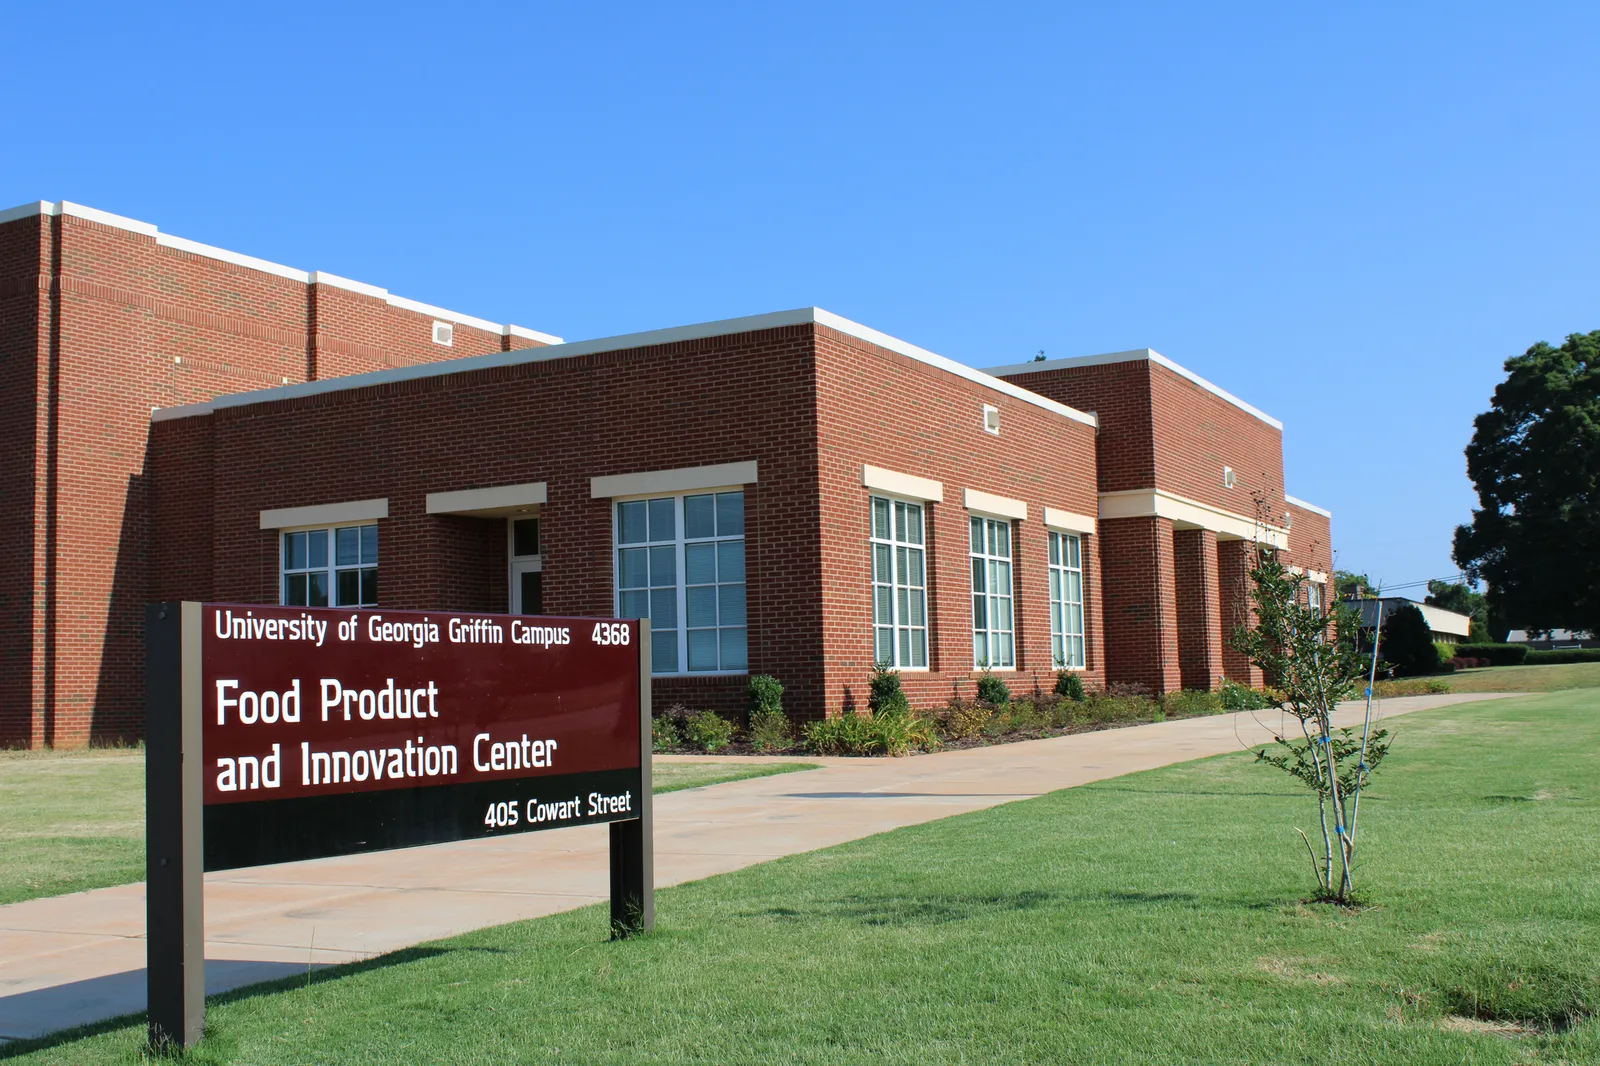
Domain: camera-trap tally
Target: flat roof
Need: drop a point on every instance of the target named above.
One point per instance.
(1135, 355)
(1304, 506)
(776, 319)
(250, 262)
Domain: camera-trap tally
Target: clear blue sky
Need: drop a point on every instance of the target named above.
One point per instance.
(1348, 218)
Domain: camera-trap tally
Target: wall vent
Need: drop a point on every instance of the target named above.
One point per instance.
(1227, 477)
(991, 419)
(444, 333)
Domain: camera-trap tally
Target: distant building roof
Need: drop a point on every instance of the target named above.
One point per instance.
(1528, 636)
(1439, 620)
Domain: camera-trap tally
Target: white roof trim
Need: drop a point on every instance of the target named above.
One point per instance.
(683, 479)
(312, 277)
(501, 499)
(1133, 355)
(910, 486)
(322, 514)
(1145, 503)
(999, 506)
(1304, 506)
(1068, 521)
(673, 335)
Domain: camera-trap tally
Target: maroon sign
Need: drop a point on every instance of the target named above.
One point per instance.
(301, 702)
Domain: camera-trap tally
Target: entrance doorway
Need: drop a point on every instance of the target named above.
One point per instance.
(527, 566)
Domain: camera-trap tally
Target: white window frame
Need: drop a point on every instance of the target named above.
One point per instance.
(332, 567)
(901, 612)
(680, 545)
(1062, 606)
(1314, 596)
(992, 597)
(517, 565)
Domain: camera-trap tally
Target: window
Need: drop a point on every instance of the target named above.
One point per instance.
(899, 585)
(680, 563)
(1066, 601)
(992, 639)
(331, 567)
(527, 567)
(1314, 596)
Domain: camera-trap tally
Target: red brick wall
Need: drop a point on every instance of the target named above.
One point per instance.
(1199, 608)
(1141, 603)
(136, 325)
(884, 409)
(1234, 560)
(1120, 395)
(24, 358)
(1310, 540)
(1197, 433)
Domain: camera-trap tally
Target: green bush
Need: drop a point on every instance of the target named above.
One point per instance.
(707, 731)
(890, 732)
(769, 731)
(1497, 654)
(1408, 642)
(1446, 650)
(991, 689)
(1191, 703)
(1419, 686)
(1070, 685)
(664, 733)
(1563, 655)
(884, 692)
(964, 719)
(765, 694)
(1236, 697)
(1110, 707)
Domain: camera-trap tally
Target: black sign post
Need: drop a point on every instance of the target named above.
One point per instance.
(224, 751)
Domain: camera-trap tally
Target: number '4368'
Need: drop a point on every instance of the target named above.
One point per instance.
(612, 633)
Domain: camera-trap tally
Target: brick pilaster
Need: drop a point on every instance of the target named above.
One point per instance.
(1233, 569)
(1194, 554)
(1141, 609)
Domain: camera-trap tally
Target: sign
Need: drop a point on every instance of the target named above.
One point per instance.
(278, 733)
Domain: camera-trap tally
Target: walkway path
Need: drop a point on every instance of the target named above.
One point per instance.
(69, 960)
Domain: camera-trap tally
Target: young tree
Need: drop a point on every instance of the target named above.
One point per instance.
(1313, 660)
(1535, 537)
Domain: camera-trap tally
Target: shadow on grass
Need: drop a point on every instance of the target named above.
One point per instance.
(301, 977)
(943, 908)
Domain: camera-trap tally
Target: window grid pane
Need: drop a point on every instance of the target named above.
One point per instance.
(1066, 601)
(685, 560)
(899, 584)
(993, 645)
(349, 578)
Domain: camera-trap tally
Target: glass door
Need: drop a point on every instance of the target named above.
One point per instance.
(527, 566)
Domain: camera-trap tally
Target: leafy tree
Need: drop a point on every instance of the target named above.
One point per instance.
(1535, 462)
(1462, 599)
(1314, 662)
(1408, 642)
(1346, 584)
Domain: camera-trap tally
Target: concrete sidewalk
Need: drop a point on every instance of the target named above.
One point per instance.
(69, 960)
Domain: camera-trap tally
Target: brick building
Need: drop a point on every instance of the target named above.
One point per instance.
(791, 493)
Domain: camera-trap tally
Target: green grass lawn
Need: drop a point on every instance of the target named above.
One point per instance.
(74, 820)
(1154, 918)
(673, 776)
(1552, 678)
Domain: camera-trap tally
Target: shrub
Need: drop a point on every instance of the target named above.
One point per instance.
(963, 720)
(1420, 686)
(664, 733)
(1121, 703)
(707, 731)
(769, 731)
(1446, 650)
(765, 694)
(890, 732)
(1236, 697)
(1497, 654)
(1190, 703)
(1563, 655)
(884, 692)
(1070, 685)
(1408, 642)
(991, 689)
